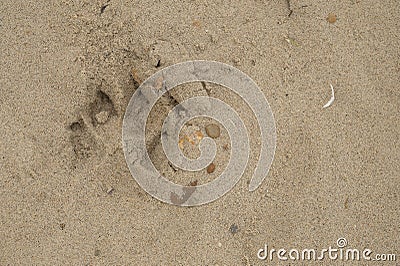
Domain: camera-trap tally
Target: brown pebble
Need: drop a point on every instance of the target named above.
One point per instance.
(211, 168)
(331, 18)
(213, 131)
(135, 76)
(193, 183)
(196, 23)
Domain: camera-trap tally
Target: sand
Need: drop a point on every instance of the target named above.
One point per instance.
(69, 68)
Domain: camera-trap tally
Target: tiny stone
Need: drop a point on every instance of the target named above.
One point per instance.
(219, 244)
(211, 168)
(236, 61)
(331, 18)
(109, 190)
(193, 183)
(97, 252)
(234, 229)
(213, 131)
(102, 117)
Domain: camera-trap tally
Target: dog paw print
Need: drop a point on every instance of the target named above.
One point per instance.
(82, 142)
(86, 137)
(101, 109)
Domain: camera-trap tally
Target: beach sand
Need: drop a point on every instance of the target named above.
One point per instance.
(69, 68)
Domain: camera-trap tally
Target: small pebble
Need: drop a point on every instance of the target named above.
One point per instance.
(213, 131)
(219, 244)
(110, 190)
(211, 168)
(135, 76)
(331, 18)
(102, 117)
(196, 23)
(234, 229)
(193, 183)
(97, 252)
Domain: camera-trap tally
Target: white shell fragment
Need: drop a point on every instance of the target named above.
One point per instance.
(329, 103)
